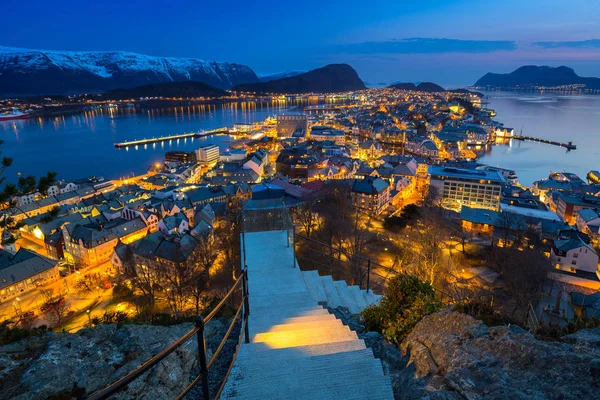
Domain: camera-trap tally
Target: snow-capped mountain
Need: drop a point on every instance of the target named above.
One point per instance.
(24, 71)
(279, 75)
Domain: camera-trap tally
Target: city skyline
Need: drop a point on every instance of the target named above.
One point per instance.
(452, 43)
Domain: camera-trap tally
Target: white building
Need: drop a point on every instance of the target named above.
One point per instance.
(257, 162)
(208, 154)
(572, 252)
(323, 134)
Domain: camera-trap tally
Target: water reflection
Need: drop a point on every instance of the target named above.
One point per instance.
(552, 116)
(81, 145)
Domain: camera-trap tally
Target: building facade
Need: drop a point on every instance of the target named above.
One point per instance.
(208, 154)
(288, 124)
(457, 187)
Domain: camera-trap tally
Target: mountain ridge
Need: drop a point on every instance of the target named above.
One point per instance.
(421, 87)
(332, 78)
(536, 76)
(279, 75)
(30, 72)
(166, 89)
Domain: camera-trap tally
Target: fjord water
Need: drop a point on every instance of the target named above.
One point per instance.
(551, 116)
(82, 145)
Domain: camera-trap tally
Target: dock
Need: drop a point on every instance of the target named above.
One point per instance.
(568, 145)
(170, 138)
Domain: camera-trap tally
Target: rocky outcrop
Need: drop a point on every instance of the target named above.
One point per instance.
(75, 365)
(452, 355)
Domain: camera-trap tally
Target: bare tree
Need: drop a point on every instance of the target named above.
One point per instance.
(513, 228)
(524, 274)
(228, 232)
(57, 310)
(305, 215)
(146, 284)
(427, 240)
(204, 258)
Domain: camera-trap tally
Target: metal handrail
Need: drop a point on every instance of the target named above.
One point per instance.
(214, 356)
(237, 350)
(197, 330)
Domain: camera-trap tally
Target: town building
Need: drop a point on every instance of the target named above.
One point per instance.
(326, 134)
(288, 124)
(181, 156)
(567, 204)
(370, 194)
(91, 242)
(588, 222)
(158, 254)
(369, 150)
(23, 271)
(572, 252)
(208, 154)
(233, 155)
(457, 187)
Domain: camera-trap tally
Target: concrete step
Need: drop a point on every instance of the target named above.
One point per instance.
(358, 297)
(294, 338)
(345, 296)
(309, 365)
(307, 325)
(265, 323)
(255, 351)
(314, 285)
(289, 312)
(333, 299)
(371, 298)
(355, 374)
(281, 300)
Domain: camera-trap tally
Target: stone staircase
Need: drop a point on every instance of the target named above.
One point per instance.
(324, 290)
(297, 349)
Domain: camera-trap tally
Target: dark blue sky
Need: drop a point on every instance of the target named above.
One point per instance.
(452, 42)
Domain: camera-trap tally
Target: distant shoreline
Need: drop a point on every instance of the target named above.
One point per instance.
(536, 90)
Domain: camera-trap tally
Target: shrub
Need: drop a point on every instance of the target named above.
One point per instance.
(409, 214)
(10, 335)
(406, 301)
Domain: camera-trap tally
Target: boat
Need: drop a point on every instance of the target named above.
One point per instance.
(15, 114)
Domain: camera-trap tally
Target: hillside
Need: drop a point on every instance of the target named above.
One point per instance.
(536, 76)
(167, 89)
(332, 78)
(31, 72)
(429, 87)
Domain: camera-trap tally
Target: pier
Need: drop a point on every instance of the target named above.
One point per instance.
(568, 145)
(170, 138)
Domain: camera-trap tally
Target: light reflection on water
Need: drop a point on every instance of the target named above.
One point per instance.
(82, 144)
(557, 117)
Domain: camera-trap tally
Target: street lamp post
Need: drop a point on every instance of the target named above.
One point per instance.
(89, 317)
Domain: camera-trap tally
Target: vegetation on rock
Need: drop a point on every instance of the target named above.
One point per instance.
(405, 302)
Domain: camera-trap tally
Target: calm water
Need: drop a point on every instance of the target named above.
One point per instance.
(563, 118)
(82, 145)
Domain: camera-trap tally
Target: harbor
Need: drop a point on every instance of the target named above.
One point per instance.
(192, 135)
(568, 145)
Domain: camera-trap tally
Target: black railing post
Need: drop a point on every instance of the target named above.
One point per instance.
(368, 274)
(294, 244)
(202, 356)
(246, 305)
